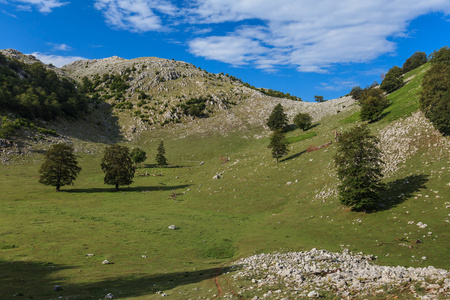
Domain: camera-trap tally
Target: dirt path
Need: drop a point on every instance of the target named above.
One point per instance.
(219, 287)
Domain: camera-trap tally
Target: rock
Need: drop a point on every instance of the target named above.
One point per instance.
(173, 227)
(106, 262)
(57, 288)
(313, 294)
(89, 255)
(109, 296)
(216, 176)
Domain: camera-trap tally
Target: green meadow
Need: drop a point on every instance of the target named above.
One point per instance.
(256, 206)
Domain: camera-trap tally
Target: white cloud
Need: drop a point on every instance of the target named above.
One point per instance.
(56, 60)
(9, 14)
(135, 16)
(44, 6)
(60, 47)
(311, 36)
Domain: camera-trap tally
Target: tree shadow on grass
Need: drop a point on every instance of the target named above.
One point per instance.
(293, 156)
(398, 191)
(128, 189)
(37, 280)
(156, 166)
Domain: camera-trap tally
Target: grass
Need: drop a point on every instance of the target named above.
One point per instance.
(45, 236)
(299, 138)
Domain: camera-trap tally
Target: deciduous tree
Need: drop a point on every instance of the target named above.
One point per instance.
(359, 169)
(117, 166)
(303, 121)
(60, 166)
(138, 155)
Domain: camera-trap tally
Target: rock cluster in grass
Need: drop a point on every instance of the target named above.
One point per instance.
(319, 273)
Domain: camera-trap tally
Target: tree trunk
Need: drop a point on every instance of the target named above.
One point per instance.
(117, 187)
(57, 188)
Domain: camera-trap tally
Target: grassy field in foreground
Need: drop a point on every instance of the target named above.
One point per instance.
(257, 206)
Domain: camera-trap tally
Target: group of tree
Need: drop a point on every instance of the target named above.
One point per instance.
(33, 91)
(371, 100)
(435, 95)
(393, 79)
(60, 166)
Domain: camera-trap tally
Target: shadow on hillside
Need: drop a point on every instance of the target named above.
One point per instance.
(293, 156)
(37, 280)
(127, 189)
(400, 190)
(156, 166)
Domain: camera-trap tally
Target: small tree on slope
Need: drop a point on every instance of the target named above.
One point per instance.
(160, 158)
(278, 120)
(60, 166)
(359, 169)
(278, 144)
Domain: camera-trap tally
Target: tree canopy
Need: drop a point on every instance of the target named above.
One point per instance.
(303, 121)
(160, 158)
(319, 99)
(60, 166)
(435, 95)
(359, 169)
(138, 155)
(415, 61)
(117, 166)
(392, 81)
(278, 144)
(32, 91)
(278, 119)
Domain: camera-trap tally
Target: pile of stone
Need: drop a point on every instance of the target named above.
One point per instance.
(317, 273)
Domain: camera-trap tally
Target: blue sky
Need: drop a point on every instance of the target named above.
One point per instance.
(306, 48)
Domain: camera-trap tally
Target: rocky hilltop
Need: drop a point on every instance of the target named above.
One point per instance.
(149, 93)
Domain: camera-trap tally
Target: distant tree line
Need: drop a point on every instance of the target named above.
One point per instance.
(32, 91)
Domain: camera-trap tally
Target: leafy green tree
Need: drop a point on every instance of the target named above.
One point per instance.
(372, 105)
(278, 120)
(138, 155)
(415, 61)
(441, 56)
(60, 166)
(392, 81)
(117, 166)
(319, 99)
(7, 128)
(435, 95)
(303, 121)
(359, 169)
(278, 144)
(356, 92)
(160, 158)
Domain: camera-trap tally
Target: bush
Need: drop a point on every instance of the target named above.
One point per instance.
(303, 121)
(392, 81)
(415, 61)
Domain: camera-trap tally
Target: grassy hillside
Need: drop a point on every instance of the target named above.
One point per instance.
(256, 206)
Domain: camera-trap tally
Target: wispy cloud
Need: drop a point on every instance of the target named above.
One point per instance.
(135, 16)
(44, 6)
(9, 14)
(56, 60)
(60, 47)
(338, 85)
(311, 36)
